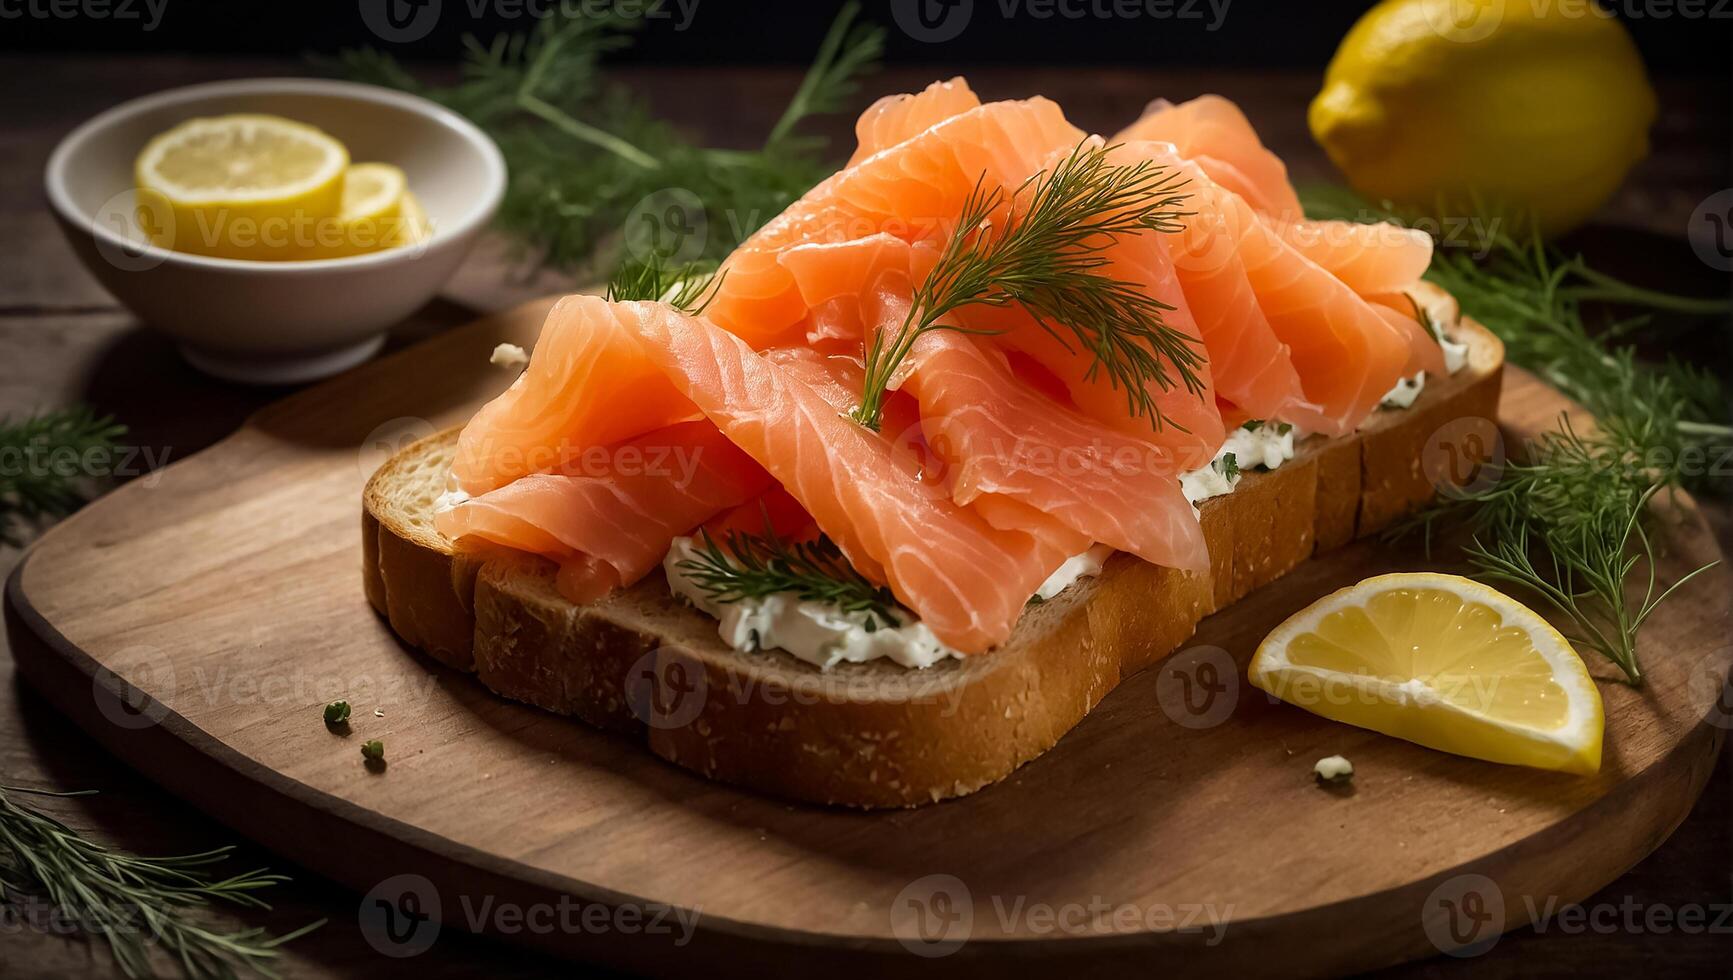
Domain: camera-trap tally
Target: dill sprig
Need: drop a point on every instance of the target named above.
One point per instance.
(1569, 517)
(1567, 523)
(689, 287)
(1050, 259)
(583, 152)
(134, 902)
(43, 466)
(748, 566)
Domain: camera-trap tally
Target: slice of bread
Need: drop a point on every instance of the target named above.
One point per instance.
(646, 665)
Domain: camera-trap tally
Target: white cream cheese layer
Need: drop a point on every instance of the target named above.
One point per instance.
(1408, 389)
(816, 632)
(1255, 444)
(1086, 565)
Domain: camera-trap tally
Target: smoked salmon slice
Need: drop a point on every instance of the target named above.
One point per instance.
(967, 580)
(911, 190)
(897, 118)
(587, 384)
(1210, 129)
(1000, 438)
(609, 514)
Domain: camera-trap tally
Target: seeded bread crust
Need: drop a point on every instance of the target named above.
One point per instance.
(647, 666)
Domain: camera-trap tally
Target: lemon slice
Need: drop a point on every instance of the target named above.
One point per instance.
(242, 186)
(414, 227)
(372, 214)
(1443, 661)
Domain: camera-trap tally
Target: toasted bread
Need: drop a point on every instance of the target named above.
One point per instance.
(644, 664)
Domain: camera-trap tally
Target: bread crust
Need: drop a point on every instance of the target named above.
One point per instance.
(645, 665)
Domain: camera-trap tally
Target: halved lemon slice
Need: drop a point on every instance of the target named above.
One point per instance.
(1443, 661)
(243, 186)
(374, 200)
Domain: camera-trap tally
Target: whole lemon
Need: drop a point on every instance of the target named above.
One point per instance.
(1453, 106)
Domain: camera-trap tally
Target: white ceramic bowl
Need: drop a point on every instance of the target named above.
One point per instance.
(278, 322)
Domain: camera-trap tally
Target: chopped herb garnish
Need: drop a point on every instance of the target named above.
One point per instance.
(337, 713)
(373, 750)
(1228, 466)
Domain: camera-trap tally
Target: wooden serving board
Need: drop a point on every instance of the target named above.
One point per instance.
(197, 622)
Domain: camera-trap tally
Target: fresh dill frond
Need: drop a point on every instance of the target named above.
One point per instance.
(747, 566)
(47, 461)
(1049, 258)
(848, 51)
(134, 903)
(688, 288)
(582, 153)
(1567, 523)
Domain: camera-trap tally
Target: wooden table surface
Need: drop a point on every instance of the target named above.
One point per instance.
(62, 339)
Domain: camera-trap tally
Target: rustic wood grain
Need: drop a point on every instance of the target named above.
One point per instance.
(63, 340)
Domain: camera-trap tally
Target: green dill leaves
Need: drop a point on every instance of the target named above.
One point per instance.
(1043, 250)
(1568, 525)
(47, 461)
(135, 904)
(584, 153)
(749, 566)
(688, 288)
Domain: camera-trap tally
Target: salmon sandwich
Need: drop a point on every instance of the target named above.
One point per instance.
(984, 423)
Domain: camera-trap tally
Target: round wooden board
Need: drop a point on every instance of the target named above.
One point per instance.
(1177, 827)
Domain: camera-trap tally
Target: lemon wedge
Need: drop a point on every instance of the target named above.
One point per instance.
(242, 186)
(1442, 661)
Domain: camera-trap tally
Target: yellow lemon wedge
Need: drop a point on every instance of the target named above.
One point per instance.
(241, 186)
(372, 215)
(1442, 661)
(1456, 106)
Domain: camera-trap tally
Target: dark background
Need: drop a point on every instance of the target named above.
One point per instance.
(1677, 37)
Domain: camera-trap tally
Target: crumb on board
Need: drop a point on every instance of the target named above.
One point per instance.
(1333, 770)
